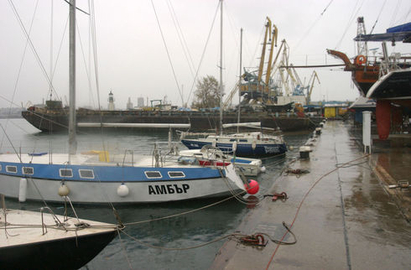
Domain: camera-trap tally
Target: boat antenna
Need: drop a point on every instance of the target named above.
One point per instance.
(72, 79)
(221, 67)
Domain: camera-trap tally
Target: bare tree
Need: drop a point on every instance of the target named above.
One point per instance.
(207, 94)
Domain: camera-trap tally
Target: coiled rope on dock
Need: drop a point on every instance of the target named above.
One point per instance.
(238, 236)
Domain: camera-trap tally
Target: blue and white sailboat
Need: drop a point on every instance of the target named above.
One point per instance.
(246, 144)
(90, 178)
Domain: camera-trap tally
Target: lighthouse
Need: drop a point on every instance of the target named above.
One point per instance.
(111, 106)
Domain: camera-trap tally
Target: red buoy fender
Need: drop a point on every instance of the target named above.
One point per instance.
(252, 187)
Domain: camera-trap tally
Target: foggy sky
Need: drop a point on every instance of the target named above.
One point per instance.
(132, 58)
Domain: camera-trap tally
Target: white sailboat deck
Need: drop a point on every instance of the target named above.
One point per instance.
(96, 159)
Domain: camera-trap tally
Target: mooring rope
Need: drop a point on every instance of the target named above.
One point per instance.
(182, 213)
(238, 236)
(306, 195)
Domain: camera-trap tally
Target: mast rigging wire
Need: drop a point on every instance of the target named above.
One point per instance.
(312, 26)
(350, 22)
(19, 72)
(27, 35)
(84, 58)
(181, 37)
(257, 46)
(233, 60)
(322, 13)
(58, 56)
(395, 13)
(94, 47)
(379, 14)
(204, 50)
(168, 53)
(79, 9)
(51, 42)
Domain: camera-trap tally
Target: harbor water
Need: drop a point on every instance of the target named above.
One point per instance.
(149, 241)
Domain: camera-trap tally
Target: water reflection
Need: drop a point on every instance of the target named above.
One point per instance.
(370, 206)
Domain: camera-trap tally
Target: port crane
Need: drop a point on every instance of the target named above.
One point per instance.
(311, 86)
(259, 85)
(255, 87)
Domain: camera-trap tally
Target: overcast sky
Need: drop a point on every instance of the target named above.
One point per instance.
(132, 55)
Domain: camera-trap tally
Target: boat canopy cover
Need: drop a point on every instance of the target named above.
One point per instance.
(396, 33)
(400, 28)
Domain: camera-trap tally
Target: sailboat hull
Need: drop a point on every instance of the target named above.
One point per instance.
(243, 150)
(117, 184)
(252, 144)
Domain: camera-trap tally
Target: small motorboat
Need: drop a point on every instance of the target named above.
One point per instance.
(213, 156)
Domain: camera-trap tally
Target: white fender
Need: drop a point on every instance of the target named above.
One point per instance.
(214, 143)
(123, 190)
(23, 190)
(234, 146)
(254, 145)
(63, 190)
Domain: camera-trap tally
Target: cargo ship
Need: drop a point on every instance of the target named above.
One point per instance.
(53, 117)
(366, 69)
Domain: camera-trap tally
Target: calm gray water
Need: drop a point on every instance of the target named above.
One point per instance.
(180, 232)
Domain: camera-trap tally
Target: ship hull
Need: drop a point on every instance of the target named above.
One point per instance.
(199, 121)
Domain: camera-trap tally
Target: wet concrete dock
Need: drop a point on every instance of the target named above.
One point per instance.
(342, 213)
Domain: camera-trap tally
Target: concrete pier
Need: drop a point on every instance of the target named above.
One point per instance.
(342, 213)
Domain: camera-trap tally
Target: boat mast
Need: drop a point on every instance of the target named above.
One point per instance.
(51, 51)
(239, 80)
(72, 79)
(221, 67)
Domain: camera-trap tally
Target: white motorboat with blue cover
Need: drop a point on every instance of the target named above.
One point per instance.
(213, 156)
